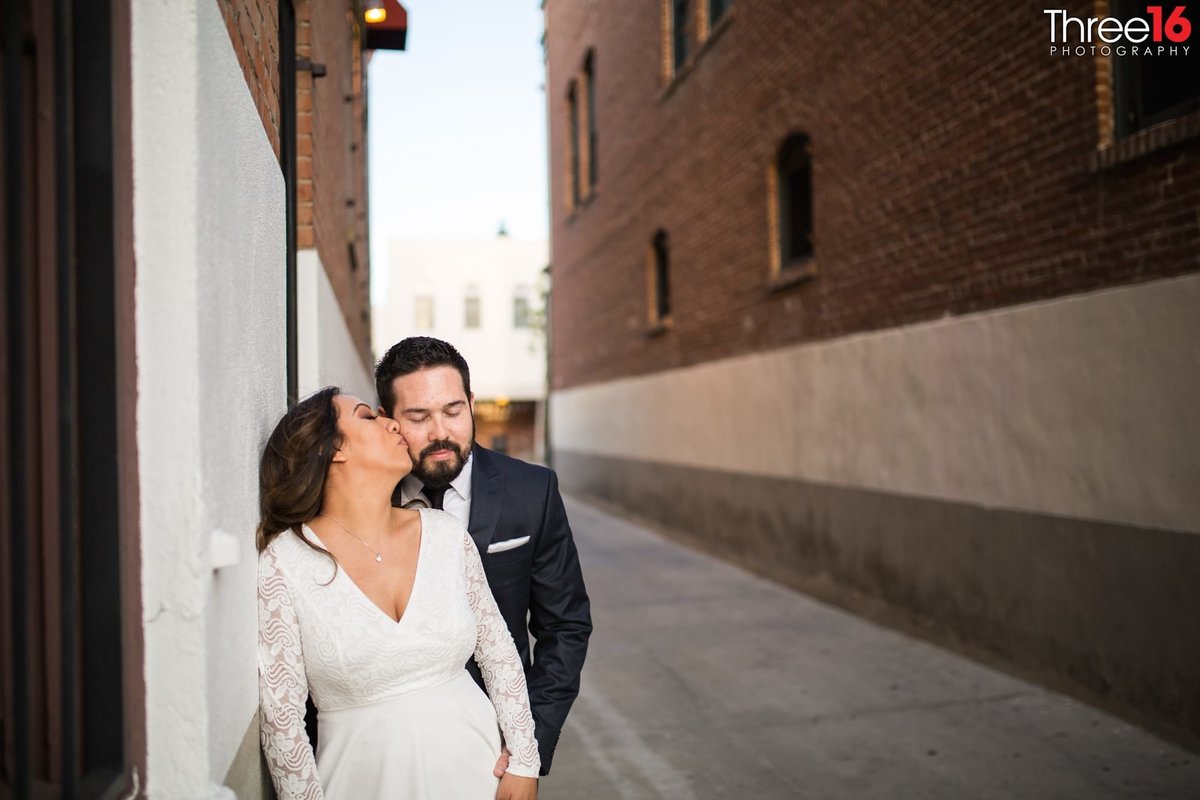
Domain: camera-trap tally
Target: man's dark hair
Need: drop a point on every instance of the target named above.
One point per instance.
(408, 356)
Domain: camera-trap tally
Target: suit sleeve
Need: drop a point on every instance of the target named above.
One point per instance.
(560, 620)
(500, 667)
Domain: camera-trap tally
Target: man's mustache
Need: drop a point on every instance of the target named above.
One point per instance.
(441, 444)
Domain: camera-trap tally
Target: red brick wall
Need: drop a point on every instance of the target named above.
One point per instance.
(955, 170)
(254, 29)
(331, 186)
(331, 157)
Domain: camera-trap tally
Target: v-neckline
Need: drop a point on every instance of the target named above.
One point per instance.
(412, 592)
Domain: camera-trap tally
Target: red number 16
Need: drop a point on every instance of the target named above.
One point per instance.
(1178, 27)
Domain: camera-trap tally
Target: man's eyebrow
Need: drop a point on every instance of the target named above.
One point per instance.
(426, 410)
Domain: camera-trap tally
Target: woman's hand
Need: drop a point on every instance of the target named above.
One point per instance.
(514, 787)
(502, 762)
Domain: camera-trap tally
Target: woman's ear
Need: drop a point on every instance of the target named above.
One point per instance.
(339, 455)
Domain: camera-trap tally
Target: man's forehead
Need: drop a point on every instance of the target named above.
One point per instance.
(436, 386)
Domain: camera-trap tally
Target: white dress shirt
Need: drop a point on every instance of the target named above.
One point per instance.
(458, 496)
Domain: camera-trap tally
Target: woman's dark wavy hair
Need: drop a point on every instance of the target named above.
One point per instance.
(295, 464)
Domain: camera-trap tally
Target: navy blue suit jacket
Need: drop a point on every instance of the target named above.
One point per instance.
(511, 499)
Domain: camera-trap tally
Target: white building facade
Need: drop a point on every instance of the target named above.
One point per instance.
(486, 297)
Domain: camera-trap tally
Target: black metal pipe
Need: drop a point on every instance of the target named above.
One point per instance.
(287, 158)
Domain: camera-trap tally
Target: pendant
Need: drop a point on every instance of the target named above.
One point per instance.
(379, 556)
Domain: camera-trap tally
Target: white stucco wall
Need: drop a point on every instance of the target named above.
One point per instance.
(505, 361)
(209, 247)
(327, 355)
(1082, 407)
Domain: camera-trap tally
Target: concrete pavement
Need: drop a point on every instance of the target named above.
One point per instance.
(704, 681)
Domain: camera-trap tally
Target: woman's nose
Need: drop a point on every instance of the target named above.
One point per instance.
(393, 425)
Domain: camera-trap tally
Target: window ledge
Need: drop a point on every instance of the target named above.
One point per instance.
(794, 274)
(658, 328)
(1144, 142)
(690, 64)
(575, 211)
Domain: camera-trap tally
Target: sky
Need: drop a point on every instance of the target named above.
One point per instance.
(457, 127)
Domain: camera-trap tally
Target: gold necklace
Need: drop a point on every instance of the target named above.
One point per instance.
(378, 555)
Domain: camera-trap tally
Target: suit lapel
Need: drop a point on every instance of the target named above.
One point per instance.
(486, 488)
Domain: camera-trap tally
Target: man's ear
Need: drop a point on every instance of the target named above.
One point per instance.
(471, 402)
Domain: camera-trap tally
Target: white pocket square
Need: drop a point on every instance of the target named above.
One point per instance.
(507, 544)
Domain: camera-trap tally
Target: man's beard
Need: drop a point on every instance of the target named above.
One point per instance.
(439, 474)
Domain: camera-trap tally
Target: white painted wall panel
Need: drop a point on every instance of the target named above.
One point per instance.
(209, 244)
(505, 362)
(328, 356)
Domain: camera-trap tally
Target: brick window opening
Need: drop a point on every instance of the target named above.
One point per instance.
(680, 19)
(573, 187)
(790, 208)
(472, 309)
(716, 11)
(686, 27)
(424, 313)
(710, 13)
(659, 281)
(589, 87)
(1148, 91)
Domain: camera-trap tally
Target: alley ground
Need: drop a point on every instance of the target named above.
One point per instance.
(704, 681)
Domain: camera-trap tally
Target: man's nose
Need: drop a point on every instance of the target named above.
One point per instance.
(438, 429)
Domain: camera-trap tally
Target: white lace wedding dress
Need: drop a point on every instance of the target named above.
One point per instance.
(400, 717)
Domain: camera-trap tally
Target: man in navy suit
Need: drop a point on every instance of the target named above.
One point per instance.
(514, 513)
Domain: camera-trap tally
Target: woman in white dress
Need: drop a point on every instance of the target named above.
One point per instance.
(374, 611)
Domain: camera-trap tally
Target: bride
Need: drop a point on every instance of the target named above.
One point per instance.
(374, 611)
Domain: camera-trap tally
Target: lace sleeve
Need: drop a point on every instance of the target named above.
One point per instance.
(502, 673)
(283, 688)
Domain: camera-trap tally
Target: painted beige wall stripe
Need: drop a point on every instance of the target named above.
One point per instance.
(1083, 407)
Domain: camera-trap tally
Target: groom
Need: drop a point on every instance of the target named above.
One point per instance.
(513, 511)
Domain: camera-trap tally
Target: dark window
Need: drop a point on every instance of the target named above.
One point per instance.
(573, 144)
(589, 75)
(679, 32)
(1149, 90)
(716, 10)
(521, 317)
(661, 278)
(473, 309)
(795, 200)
